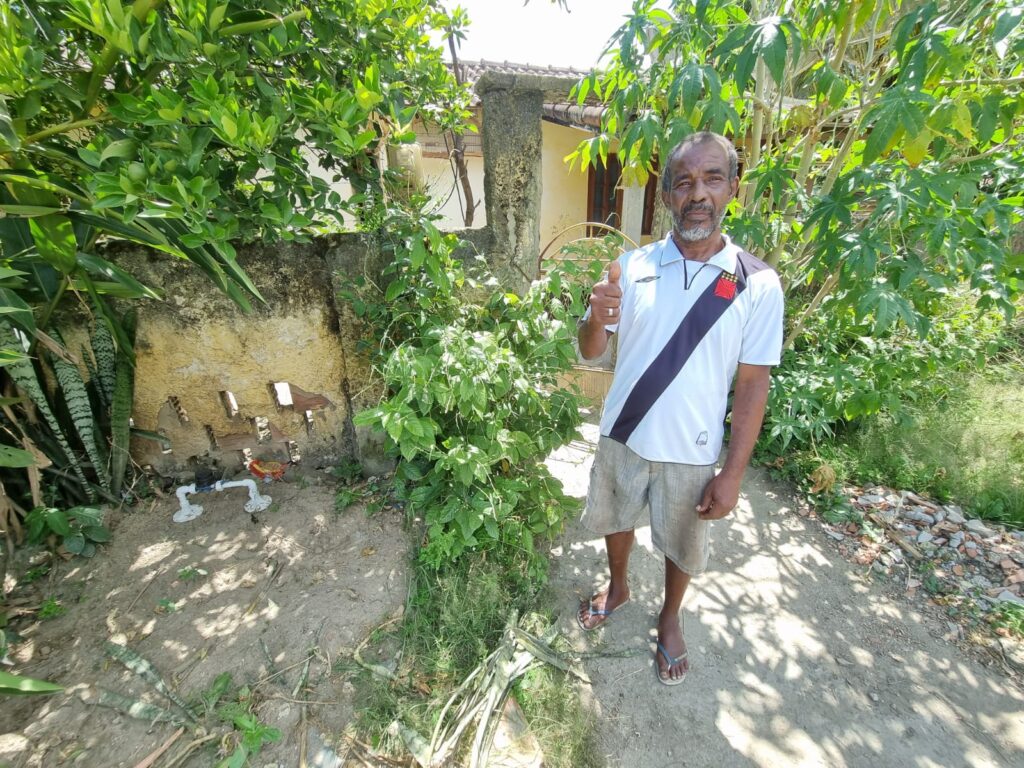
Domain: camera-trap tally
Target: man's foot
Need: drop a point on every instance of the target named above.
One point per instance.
(670, 659)
(596, 611)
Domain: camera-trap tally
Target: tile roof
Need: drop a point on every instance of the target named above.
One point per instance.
(473, 69)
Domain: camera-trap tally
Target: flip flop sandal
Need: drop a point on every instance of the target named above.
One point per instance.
(671, 663)
(592, 611)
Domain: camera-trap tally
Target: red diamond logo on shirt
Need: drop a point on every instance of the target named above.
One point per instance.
(726, 288)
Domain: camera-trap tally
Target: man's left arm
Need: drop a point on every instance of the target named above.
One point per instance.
(749, 400)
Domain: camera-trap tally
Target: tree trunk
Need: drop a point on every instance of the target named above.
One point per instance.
(459, 153)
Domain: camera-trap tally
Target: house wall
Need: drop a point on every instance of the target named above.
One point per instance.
(445, 189)
(564, 192)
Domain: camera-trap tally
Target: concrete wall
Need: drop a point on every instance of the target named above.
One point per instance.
(196, 347)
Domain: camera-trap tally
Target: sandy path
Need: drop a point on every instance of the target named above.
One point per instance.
(798, 658)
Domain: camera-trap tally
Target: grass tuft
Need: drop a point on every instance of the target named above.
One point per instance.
(455, 617)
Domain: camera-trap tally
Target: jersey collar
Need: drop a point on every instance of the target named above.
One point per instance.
(725, 259)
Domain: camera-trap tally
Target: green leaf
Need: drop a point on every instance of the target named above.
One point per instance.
(394, 290)
(366, 98)
(887, 122)
(54, 237)
(100, 267)
(772, 45)
(20, 313)
(17, 685)
(15, 457)
(10, 357)
(57, 521)
(12, 209)
(123, 149)
(7, 131)
(97, 533)
(6, 272)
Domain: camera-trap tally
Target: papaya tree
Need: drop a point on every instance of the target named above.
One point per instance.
(881, 146)
(184, 126)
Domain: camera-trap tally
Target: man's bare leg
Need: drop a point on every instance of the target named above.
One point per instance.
(618, 546)
(670, 631)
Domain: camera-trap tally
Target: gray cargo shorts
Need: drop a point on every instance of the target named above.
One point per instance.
(624, 485)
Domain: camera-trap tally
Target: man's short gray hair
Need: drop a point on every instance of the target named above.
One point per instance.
(699, 138)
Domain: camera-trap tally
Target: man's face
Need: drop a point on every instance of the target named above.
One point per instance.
(701, 189)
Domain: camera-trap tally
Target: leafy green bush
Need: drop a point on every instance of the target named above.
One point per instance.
(472, 405)
(841, 371)
(953, 434)
(80, 529)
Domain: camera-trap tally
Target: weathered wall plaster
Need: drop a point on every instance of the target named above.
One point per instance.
(196, 346)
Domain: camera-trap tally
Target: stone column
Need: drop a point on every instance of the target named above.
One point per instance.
(512, 176)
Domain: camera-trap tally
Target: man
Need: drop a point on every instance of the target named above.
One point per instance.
(692, 313)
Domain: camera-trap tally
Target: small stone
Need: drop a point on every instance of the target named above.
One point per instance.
(834, 535)
(1006, 596)
(1007, 565)
(954, 514)
(879, 568)
(956, 540)
(919, 516)
(924, 537)
(958, 570)
(940, 515)
(45, 650)
(870, 499)
(974, 525)
(873, 696)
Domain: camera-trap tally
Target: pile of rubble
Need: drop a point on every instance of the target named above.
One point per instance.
(962, 563)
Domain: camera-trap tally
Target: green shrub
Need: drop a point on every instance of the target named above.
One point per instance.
(472, 406)
(841, 371)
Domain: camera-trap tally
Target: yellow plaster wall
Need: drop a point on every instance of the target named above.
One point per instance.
(563, 192)
(244, 355)
(197, 344)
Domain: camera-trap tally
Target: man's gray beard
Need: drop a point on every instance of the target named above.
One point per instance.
(696, 234)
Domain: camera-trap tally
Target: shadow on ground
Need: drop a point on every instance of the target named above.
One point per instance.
(797, 657)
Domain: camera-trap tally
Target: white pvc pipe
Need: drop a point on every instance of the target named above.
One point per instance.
(188, 511)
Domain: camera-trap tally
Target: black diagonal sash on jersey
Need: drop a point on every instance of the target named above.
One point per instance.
(704, 313)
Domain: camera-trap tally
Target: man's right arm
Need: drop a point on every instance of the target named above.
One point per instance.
(605, 301)
(593, 338)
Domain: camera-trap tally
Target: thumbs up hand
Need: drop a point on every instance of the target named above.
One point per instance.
(606, 297)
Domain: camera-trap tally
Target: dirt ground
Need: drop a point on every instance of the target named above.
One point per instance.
(798, 658)
(298, 578)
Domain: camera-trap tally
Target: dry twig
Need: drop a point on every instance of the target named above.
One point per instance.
(155, 754)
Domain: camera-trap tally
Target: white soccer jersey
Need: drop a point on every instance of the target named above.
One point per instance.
(672, 378)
